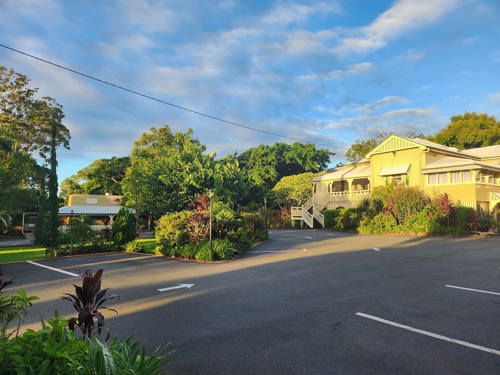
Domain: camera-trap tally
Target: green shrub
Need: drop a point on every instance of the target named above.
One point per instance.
(187, 251)
(330, 218)
(78, 231)
(124, 226)
(405, 201)
(77, 249)
(255, 223)
(14, 307)
(347, 219)
(54, 349)
(222, 249)
(51, 350)
(379, 224)
(134, 247)
(172, 231)
(240, 238)
(485, 223)
(422, 222)
(465, 219)
(204, 252)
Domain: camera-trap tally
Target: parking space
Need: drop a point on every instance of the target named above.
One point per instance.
(308, 301)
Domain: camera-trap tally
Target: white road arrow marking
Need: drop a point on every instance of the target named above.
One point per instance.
(376, 249)
(181, 286)
(308, 237)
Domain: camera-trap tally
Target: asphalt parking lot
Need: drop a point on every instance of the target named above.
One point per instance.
(304, 302)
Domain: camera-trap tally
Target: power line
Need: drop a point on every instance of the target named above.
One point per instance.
(74, 71)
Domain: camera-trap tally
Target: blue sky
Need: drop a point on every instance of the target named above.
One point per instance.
(327, 71)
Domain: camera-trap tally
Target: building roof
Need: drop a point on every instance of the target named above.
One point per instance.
(94, 200)
(89, 210)
(483, 152)
(451, 162)
(350, 171)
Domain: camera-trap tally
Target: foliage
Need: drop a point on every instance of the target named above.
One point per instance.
(135, 247)
(12, 307)
(292, 190)
(87, 301)
(485, 223)
(465, 219)
(421, 222)
(378, 224)
(120, 357)
(100, 177)
(255, 224)
(171, 231)
(347, 219)
(331, 217)
(78, 231)
(50, 350)
(167, 171)
(229, 183)
(54, 349)
(470, 130)
(30, 128)
(405, 201)
(360, 147)
(223, 249)
(263, 166)
(124, 227)
(79, 248)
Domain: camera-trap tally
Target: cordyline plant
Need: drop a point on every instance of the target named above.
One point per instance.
(87, 301)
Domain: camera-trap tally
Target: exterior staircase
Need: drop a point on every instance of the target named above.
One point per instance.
(311, 210)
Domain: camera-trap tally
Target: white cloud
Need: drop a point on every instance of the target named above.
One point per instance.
(151, 16)
(135, 42)
(285, 14)
(387, 100)
(495, 97)
(404, 16)
(339, 73)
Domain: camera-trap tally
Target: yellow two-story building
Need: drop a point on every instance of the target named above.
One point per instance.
(470, 177)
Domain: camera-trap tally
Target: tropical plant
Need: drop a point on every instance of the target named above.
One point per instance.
(87, 301)
(12, 307)
(134, 247)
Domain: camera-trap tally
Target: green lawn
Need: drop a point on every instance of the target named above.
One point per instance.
(21, 253)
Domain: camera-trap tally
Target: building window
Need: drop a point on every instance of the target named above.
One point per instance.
(442, 178)
(398, 179)
(483, 208)
(432, 178)
(481, 177)
(466, 176)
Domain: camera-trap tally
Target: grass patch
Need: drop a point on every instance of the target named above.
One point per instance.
(21, 253)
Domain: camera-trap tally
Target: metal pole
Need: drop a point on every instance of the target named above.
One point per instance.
(210, 224)
(265, 213)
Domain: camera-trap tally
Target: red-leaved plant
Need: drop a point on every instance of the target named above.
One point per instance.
(87, 301)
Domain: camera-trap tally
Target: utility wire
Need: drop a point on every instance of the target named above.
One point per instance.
(157, 99)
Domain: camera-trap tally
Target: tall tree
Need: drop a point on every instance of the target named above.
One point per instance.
(292, 190)
(100, 177)
(29, 126)
(264, 165)
(168, 170)
(470, 130)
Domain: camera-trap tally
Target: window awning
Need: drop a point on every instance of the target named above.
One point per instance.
(394, 169)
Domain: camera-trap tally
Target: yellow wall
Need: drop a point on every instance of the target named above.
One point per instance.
(413, 156)
(94, 200)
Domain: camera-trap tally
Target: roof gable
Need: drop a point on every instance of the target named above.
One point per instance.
(395, 143)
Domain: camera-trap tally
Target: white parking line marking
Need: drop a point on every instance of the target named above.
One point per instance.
(427, 333)
(188, 286)
(308, 237)
(472, 290)
(375, 249)
(52, 268)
